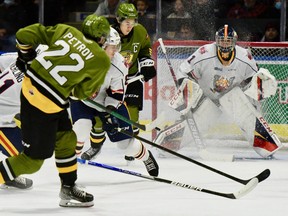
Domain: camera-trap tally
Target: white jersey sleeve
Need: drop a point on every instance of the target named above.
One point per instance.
(6, 59)
(113, 89)
(10, 87)
(213, 77)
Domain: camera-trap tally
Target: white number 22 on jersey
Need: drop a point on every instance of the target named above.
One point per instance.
(47, 64)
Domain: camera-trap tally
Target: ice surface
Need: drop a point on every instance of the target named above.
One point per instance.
(118, 194)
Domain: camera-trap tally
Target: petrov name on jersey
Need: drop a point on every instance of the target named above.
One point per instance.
(82, 48)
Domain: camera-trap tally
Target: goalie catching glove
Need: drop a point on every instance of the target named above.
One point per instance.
(263, 85)
(147, 68)
(187, 96)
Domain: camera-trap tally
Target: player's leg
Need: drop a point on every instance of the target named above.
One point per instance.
(97, 139)
(31, 159)
(254, 127)
(133, 147)
(82, 118)
(11, 145)
(66, 163)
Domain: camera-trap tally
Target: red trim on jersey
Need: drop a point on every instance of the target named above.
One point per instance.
(8, 146)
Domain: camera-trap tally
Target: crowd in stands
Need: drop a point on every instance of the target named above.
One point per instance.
(180, 19)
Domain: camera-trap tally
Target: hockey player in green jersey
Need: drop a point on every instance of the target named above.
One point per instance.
(136, 49)
(75, 66)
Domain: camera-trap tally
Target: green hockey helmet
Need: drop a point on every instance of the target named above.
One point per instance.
(95, 27)
(126, 11)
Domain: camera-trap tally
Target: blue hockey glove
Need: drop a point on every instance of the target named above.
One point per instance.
(111, 123)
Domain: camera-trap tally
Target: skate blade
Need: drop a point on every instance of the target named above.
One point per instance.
(8, 187)
(75, 204)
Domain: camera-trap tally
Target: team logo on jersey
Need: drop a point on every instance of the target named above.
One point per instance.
(128, 56)
(221, 83)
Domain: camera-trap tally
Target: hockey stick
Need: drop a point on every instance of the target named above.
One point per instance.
(134, 79)
(203, 153)
(260, 177)
(236, 195)
(147, 127)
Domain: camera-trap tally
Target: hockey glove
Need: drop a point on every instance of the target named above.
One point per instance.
(25, 58)
(111, 123)
(147, 68)
(263, 85)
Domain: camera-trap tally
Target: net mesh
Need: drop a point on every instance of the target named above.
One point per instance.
(273, 56)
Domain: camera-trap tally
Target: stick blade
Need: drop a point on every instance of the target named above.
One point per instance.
(247, 188)
(263, 175)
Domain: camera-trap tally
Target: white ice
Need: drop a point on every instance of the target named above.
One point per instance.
(119, 194)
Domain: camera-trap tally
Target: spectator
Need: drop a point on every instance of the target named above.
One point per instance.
(271, 33)
(248, 9)
(108, 8)
(204, 10)
(142, 7)
(179, 10)
(186, 32)
(145, 17)
(274, 10)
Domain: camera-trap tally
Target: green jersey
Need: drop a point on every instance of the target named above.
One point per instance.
(135, 46)
(71, 66)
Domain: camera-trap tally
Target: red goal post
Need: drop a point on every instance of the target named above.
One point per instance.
(273, 56)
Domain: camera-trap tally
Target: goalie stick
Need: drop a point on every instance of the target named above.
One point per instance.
(236, 195)
(203, 153)
(146, 127)
(260, 177)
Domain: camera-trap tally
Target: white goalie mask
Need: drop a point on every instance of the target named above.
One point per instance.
(113, 39)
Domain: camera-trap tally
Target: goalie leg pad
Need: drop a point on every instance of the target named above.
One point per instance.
(266, 142)
(206, 115)
(171, 137)
(254, 127)
(237, 107)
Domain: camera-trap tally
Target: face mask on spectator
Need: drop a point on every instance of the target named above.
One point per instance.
(278, 5)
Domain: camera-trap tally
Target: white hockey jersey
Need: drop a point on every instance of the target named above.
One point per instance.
(10, 87)
(113, 89)
(213, 77)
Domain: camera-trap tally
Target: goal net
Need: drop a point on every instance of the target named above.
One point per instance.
(273, 56)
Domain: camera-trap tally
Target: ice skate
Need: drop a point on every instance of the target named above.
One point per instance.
(90, 153)
(151, 165)
(73, 196)
(19, 182)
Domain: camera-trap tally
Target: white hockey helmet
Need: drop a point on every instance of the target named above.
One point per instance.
(113, 39)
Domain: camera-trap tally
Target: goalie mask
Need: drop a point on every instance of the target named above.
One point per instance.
(226, 39)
